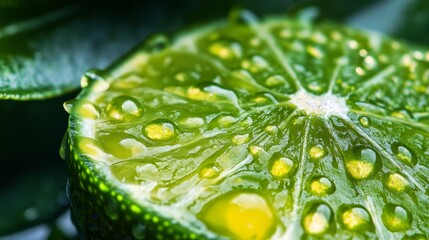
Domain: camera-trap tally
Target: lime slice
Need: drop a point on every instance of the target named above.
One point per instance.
(273, 129)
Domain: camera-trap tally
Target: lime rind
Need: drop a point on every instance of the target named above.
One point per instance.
(244, 114)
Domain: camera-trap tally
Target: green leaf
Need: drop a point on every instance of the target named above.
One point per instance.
(415, 26)
(44, 56)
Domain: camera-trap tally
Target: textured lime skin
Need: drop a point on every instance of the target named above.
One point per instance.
(105, 212)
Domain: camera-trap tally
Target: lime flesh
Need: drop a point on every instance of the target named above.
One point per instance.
(276, 129)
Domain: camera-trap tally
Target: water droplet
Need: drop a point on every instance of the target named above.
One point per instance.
(402, 114)
(124, 108)
(226, 50)
(198, 93)
(285, 33)
(359, 71)
(155, 43)
(121, 145)
(363, 163)
(68, 105)
(396, 218)
(139, 231)
(317, 152)
(263, 98)
(187, 76)
(407, 61)
(369, 62)
(223, 121)
(246, 122)
(315, 52)
(365, 121)
(240, 215)
(128, 81)
(275, 81)
(191, 122)
(272, 130)
(281, 166)
(256, 64)
(256, 150)
(212, 92)
(241, 139)
(404, 154)
(353, 44)
(321, 186)
(209, 171)
(356, 218)
(85, 109)
(90, 147)
(242, 16)
(319, 37)
(255, 42)
(363, 52)
(315, 87)
(160, 130)
(396, 182)
(318, 219)
(96, 79)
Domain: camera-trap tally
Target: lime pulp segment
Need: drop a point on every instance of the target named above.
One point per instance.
(274, 129)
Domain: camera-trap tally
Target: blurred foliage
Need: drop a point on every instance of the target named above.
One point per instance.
(415, 24)
(17, 10)
(33, 182)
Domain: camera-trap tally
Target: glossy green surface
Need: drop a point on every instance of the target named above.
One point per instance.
(46, 45)
(328, 125)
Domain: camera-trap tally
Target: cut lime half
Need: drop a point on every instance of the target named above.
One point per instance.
(272, 129)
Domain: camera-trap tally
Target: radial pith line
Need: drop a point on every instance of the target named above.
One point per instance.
(364, 197)
(298, 185)
(369, 204)
(377, 79)
(186, 144)
(262, 33)
(338, 65)
(420, 126)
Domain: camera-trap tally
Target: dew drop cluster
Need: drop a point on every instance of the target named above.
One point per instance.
(221, 125)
